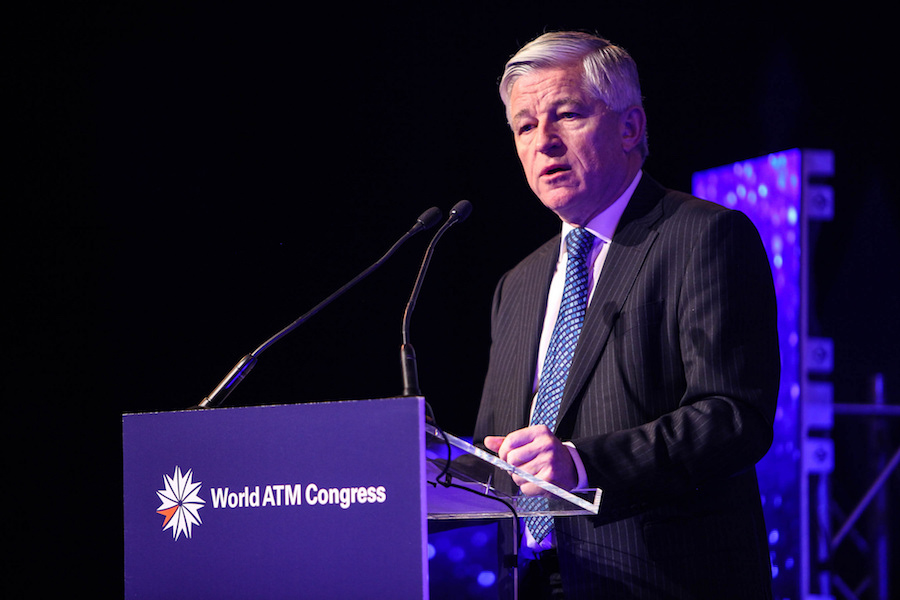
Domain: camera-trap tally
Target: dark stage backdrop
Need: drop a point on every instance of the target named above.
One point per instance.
(194, 176)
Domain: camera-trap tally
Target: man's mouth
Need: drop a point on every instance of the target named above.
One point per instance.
(553, 170)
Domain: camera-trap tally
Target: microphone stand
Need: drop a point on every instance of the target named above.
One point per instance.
(426, 220)
(408, 363)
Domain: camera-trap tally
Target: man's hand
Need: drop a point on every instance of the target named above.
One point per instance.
(538, 452)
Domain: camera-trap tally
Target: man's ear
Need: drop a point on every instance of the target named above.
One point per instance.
(633, 123)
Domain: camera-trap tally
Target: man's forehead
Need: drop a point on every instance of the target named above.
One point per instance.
(547, 88)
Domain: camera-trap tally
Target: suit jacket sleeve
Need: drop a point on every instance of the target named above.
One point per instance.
(713, 416)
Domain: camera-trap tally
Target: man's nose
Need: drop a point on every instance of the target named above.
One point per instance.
(549, 141)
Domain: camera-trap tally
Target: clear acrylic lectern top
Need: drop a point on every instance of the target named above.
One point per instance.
(467, 482)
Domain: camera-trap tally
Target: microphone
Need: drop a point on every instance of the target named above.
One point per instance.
(426, 220)
(408, 364)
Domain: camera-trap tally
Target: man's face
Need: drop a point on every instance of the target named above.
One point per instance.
(573, 148)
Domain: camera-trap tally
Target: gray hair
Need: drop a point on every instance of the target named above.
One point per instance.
(610, 74)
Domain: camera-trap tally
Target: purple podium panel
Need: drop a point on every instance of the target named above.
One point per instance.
(322, 500)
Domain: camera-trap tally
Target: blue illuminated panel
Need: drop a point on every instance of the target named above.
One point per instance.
(768, 190)
(464, 563)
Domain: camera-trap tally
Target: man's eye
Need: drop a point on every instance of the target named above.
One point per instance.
(568, 115)
(525, 128)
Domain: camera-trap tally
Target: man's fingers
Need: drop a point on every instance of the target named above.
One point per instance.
(517, 443)
(493, 442)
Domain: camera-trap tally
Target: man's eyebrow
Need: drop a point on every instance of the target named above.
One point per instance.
(553, 106)
(522, 113)
(568, 100)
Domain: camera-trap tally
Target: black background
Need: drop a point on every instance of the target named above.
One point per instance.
(188, 178)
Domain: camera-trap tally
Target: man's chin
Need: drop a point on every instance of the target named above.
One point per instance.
(571, 214)
(562, 202)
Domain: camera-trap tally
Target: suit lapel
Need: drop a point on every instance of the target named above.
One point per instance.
(627, 255)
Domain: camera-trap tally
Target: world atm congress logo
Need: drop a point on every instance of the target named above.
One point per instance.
(181, 503)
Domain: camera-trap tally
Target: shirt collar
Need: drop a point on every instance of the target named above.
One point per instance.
(603, 226)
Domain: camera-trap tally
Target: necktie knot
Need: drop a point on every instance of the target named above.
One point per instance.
(579, 242)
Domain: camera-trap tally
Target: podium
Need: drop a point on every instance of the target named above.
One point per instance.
(322, 500)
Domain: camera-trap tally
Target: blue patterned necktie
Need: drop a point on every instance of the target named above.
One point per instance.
(559, 356)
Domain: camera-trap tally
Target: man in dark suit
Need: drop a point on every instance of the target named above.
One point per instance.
(666, 399)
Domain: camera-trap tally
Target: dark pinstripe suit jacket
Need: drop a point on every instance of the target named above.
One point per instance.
(670, 400)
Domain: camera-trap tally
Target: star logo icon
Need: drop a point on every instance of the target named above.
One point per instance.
(180, 503)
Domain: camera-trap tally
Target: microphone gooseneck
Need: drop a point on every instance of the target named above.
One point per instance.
(426, 220)
(408, 362)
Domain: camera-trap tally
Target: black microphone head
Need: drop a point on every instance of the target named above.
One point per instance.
(461, 210)
(430, 217)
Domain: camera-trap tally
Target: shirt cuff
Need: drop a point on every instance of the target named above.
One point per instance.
(579, 467)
